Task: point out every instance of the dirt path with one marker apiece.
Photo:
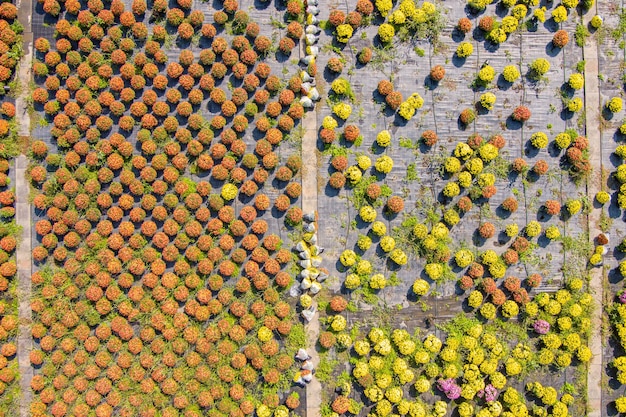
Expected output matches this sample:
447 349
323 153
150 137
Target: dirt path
309 204
593 107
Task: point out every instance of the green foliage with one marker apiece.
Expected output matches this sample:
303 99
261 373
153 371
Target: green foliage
620 30
581 34
359 195
10 229
296 337
498 167
424 23
580 66
326 410
335 150
509 330
459 325
406 143
411 172
325 369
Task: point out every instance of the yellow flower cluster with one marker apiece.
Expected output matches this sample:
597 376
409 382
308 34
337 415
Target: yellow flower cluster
465 180
488 152
384 7
603 197
486 74
263 410
575 105
509 24
383 138
353 174
540 66
342 110
338 323
384 164
451 217
229 192
387 243
475 165
398 256
363 162
510 309
563 140
329 122
386 32
353 281
463 150
452 165
348 257
364 267
511 73
378 282
451 190
552 232
464 49
539 140
615 105
533 228
264 334
339 86
497 35
540 14
487 100
420 287
344 33
379 228
364 242
596 22
574 206
488 311
463 258
559 14
511 230
478 5
576 81
362 347
434 271
519 11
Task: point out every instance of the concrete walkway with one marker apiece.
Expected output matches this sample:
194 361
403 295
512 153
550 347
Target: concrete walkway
23 218
24 340
24 75
309 204
593 108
